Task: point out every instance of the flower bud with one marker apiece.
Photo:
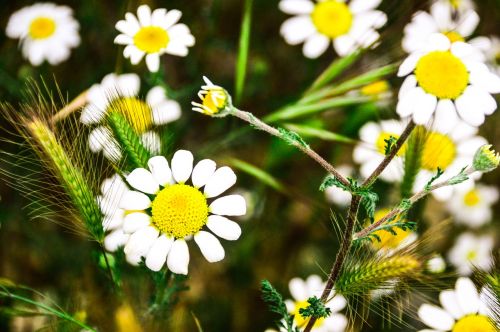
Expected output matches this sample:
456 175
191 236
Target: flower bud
485 159
215 100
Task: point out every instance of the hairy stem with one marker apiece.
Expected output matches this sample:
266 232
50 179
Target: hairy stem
257 123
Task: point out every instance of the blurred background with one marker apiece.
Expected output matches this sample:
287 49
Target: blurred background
289 232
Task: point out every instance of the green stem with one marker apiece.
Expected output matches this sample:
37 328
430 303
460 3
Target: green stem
412 161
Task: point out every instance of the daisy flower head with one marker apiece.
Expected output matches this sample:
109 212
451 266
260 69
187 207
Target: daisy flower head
387 242
318 23
46 31
301 291
464 309
112 191
165 210
215 100
450 149
456 22
371 149
119 93
471 251
448 79
334 194
152 34
473 207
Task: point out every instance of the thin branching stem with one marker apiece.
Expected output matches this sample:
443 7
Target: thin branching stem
257 123
402 208
73 106
388 158
351 221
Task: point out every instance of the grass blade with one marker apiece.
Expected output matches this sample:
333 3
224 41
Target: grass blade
241 64
326 135
258 173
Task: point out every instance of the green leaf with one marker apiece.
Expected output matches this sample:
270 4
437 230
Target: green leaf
336 68
330 181
326 135
434 178
292 137
241 63
389 144
258 173
315 309
459 178
275 303
295 111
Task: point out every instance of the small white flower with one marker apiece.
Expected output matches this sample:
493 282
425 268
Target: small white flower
450 146
112 190
319 23
215 101
301 290
336 195
436 264
164 211
371 150
472 207
447 78
471 251
46 32
119 93
457 25
152 34
464 309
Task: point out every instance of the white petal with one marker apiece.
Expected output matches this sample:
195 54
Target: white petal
140 242
202 172
449 302
298 289
141 179
297 29
178 257
156 96
111 150
296 7
408 64
407 105
467 107
344 45
182 165
425 109
167 111
134 200
144 15
467 296
438 42
337 303
157 16
171 18
157 255
409 83
485 80
135 221
153 62
224 228
446 117
468 23
123 40
358 6
159 168
128 85
210 247
336 322
97 138
315 45
435 317
151 141
223 179
231 205
176 48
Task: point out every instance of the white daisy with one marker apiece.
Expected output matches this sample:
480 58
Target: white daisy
450 148
472 207
457 25
316 24
471 251
436 264
152 34
301 290
371 150
336 195
447 78
164 211
493 54
112 190
118 93
464 309
46 32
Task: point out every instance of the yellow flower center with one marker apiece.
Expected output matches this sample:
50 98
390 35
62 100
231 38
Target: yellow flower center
375 88
442 74
474 323
42 27
453 36
151 39
472 198
455 3
382 140
439 151
300 321
214 101
136 111
332 18
471 255
388 240
179 210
